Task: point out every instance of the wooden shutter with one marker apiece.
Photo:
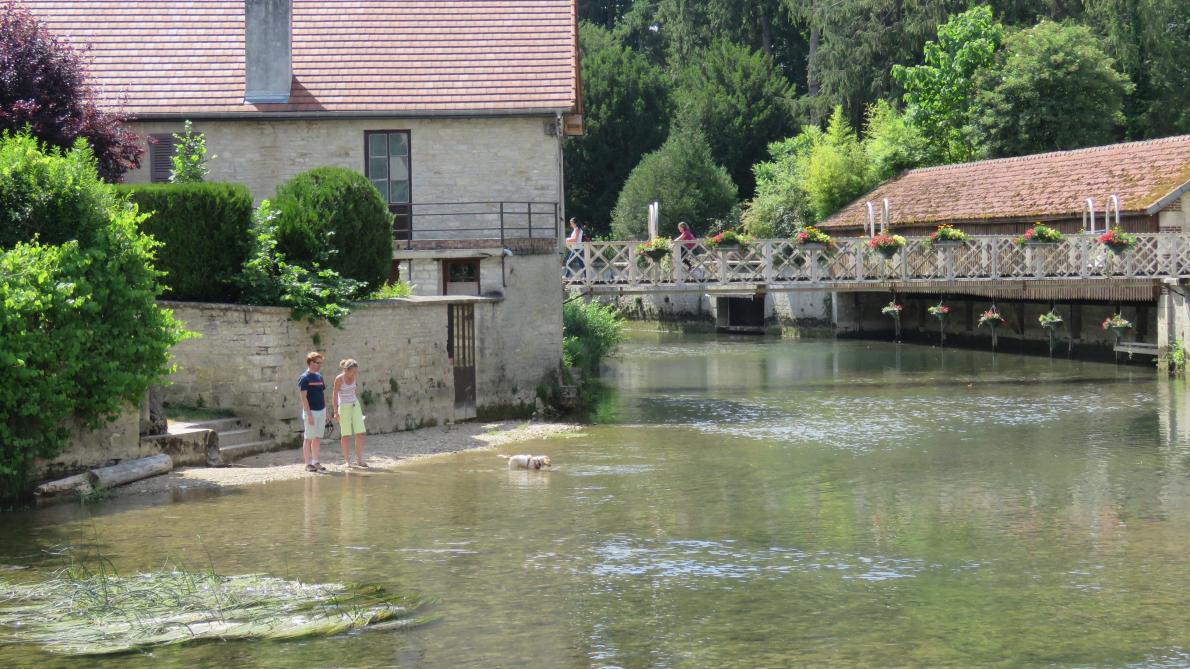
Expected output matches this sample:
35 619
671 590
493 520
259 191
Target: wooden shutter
161 149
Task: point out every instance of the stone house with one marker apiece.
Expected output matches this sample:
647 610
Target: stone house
456 110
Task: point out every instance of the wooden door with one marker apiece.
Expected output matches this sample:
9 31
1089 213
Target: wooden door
460 348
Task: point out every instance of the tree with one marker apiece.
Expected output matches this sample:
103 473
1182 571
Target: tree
891 143
603 13
43 87
684 178
627 116
1056 90
835 169
188 165
939 92
781 205
741 102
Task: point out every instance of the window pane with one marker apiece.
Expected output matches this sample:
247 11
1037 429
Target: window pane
400 191
381 186
399 168
377 168
398 144
376 144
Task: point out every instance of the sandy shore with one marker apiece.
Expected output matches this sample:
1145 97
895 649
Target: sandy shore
381 452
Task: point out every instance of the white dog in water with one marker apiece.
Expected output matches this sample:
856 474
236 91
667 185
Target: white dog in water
532 462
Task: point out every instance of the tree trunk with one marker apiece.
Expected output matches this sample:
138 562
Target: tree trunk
68 484
766 33
132 470
811 80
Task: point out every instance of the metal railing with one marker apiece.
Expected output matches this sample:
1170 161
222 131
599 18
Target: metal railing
850 262
495 220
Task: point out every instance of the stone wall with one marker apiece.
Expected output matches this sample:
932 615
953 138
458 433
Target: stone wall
112 442
794 308
248 358
452 160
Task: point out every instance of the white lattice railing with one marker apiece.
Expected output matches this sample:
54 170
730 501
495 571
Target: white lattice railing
850 261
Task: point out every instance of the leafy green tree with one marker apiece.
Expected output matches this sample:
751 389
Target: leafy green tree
1056 90
188 165
627 115
603 13
835 169
781 204
891 143
684 178
939 92
741 101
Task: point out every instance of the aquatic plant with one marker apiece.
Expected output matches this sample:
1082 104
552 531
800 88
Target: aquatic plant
82 612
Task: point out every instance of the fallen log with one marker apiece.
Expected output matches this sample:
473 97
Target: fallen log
132 470
76 483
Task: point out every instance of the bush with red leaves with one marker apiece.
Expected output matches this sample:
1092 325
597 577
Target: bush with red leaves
43 85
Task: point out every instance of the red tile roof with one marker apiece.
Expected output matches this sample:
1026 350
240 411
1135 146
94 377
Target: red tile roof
1043 186
175 57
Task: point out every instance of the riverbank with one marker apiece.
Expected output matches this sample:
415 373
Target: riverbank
382 452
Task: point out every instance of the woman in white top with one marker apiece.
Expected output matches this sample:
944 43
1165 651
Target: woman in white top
345 409
574 258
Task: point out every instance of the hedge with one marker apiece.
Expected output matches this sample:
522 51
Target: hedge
205 231
337 208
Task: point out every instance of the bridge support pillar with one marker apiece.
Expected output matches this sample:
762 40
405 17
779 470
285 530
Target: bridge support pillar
1173 314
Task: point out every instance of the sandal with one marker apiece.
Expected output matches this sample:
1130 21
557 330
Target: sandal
362 464
311 468
321 467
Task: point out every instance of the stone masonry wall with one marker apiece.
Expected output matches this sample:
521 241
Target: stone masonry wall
452 160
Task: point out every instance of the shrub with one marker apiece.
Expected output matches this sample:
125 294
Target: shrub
311 291
80 331
338 207
188 165
392 291
205 231
680 175
590 332
49 195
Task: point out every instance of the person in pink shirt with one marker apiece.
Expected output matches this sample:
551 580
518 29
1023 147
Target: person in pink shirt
687 239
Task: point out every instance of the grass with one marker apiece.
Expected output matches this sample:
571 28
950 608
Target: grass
85 611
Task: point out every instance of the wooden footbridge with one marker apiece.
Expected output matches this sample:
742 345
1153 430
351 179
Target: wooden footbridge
982 264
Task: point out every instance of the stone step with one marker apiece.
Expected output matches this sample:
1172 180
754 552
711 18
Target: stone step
241 451
237 437
215 424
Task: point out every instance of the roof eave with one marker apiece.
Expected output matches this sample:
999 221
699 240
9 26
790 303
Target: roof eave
309 115
1169 199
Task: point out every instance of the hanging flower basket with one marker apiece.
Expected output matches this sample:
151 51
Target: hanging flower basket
886 245
892 309
938 311
991 318
1050 320
655 249
1117 324
728 239
1038 235
947 236
1118 241
811 238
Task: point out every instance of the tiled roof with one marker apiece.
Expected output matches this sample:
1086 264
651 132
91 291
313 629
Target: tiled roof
1041 186
175 57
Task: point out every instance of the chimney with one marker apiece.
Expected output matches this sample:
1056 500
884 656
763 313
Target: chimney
267 50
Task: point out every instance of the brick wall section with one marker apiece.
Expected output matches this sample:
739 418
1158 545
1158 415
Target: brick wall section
248 358
452 160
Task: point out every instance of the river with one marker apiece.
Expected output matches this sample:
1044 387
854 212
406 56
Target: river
743 503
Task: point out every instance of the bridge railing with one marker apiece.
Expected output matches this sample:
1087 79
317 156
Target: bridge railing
851 261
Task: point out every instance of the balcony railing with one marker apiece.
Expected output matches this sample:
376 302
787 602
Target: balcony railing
496 220
851 262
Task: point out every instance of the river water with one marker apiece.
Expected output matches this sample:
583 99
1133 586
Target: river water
745 503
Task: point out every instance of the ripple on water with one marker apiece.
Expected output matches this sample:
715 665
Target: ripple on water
688 561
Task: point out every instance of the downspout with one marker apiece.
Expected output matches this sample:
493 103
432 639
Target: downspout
558 224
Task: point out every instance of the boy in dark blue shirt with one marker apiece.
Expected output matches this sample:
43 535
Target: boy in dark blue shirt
311 390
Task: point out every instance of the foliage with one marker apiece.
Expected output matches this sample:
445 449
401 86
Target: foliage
1049 320
312 291
189 162
781 205
939 93
52 196
1039 233
392 291
205 231
89 612
892 309
590 332
835 170
891 143
740 100
938 311
991 318
683 177
1175 357
1116 322
1117 240
812 235
729 238
43 87
948 233
338 207
656 248
81 334
626 112
1055 90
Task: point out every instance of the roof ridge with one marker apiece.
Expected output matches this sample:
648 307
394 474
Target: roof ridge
1039 156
